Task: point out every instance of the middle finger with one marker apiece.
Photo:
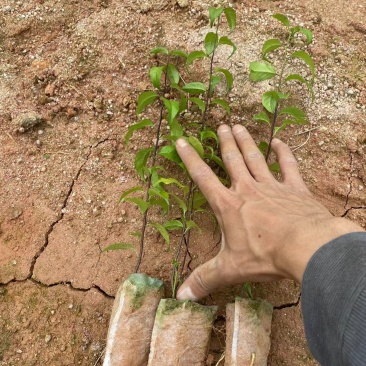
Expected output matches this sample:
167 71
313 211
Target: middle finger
231 156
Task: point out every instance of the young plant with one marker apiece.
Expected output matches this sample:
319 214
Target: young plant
275 114
175 97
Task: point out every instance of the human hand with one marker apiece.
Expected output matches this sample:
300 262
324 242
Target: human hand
270 229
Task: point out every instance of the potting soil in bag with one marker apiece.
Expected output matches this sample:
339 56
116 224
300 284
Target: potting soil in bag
181 333
132 321
248 329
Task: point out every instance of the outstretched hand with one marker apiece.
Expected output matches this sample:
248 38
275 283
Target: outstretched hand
270 229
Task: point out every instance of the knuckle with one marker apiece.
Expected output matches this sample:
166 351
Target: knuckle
200 281
231 156
290 161
255 155
201 173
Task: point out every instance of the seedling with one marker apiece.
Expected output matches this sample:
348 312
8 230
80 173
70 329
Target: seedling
175 97
275 114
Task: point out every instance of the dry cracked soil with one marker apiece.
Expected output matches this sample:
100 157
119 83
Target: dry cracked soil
74 70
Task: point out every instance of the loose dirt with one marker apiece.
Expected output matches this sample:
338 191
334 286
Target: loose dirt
78 67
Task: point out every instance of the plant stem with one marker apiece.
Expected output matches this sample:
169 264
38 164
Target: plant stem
279 87
208 94
153 159
185 237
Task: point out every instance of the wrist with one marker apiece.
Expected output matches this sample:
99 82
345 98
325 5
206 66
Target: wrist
296 253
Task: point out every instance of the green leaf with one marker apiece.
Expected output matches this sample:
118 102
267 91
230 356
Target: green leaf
157 50
195 88
119 246
163 194
144 100
307 33
275 168
181 204
282 18
174 181
192 225
154 175
137 126
128 192
230 14
271 98
270 45
263 147
214 14
162 232
294 112
224 40
176 130
307 59
208 134
196 144
155 75
161 203
298 77
201 104
173 225
179 53
172 107
262 117
260 71
218 161
135 233
229 77
170 153
222 103
183 103
173 74
210 42
248 289
141 204
198 200
194 56
215 79
141 160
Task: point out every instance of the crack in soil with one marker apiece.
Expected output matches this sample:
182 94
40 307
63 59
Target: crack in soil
52 226
288 305
59 217
349 180
61 283
353 208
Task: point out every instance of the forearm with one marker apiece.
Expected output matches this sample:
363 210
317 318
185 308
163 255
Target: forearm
334 301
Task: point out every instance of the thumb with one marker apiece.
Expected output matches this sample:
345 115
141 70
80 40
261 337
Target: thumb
202 281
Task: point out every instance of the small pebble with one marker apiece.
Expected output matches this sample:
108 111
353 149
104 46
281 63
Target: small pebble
48 338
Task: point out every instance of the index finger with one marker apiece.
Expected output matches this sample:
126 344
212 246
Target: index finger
200 172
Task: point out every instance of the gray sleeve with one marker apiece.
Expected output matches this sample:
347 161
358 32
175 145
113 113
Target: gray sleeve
334 301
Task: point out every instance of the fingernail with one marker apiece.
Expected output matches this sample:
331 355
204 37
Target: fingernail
238 128
223 128
185 293
181 143
275 141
